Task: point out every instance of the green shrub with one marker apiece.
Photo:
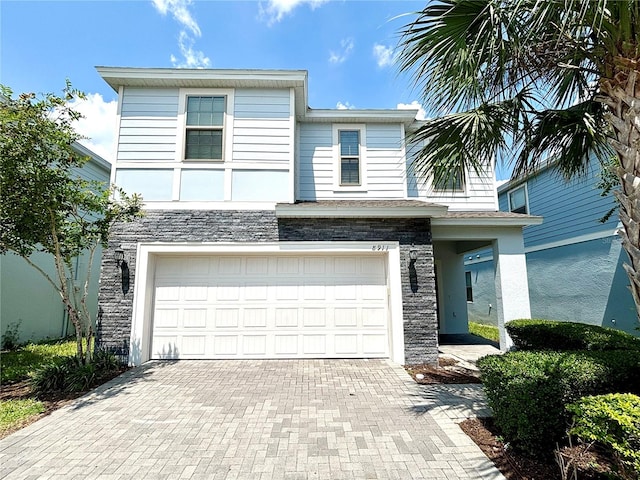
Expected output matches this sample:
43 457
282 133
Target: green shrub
528 391
52 377
563 336
71 375
10 339
614 421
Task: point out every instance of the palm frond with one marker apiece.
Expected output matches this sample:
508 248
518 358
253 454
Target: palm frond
573 135
468 141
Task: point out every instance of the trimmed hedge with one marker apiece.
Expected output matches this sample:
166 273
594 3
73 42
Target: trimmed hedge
614 421
563 336
528 391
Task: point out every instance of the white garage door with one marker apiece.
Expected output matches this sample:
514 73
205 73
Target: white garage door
276 306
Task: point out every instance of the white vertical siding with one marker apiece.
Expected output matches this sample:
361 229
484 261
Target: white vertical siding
479 192
262 128
384 164
148 124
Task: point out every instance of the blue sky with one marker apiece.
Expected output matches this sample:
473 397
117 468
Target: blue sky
346 45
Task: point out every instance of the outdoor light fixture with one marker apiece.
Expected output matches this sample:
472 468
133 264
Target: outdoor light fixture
413 253
124 268
413 274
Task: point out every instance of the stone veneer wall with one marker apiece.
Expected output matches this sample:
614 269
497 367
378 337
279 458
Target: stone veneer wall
419 299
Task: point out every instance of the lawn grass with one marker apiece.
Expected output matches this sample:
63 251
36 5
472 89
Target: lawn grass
486 331
17 365
15 412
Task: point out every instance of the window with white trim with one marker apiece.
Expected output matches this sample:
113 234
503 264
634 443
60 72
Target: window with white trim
453 183
204 130
518 200
467 278
349 157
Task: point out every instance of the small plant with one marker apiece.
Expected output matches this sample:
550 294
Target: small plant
53 377
71 375
612 420
11 337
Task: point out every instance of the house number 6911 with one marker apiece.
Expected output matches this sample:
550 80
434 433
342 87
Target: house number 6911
380 248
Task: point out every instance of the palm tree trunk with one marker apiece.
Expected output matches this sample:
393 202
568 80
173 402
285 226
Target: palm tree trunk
622 95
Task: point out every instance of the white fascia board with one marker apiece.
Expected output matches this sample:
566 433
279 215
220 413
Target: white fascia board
117 76
486 221
95 158
295 211
360 116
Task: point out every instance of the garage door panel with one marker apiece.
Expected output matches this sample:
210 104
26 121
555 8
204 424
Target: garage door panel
270 307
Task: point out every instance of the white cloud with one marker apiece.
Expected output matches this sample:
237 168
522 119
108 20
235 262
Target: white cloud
272 11
99 124
346 45
190 29
192 58
180 11
344 106
384 55
421 115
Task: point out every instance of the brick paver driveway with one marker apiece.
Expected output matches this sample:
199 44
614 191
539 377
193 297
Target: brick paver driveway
282 419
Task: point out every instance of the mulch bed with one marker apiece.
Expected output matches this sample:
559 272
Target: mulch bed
447 371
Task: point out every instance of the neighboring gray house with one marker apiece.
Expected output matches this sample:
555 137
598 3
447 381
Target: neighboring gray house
574 261
26 299
273 230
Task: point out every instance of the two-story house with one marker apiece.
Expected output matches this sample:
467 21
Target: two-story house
274 230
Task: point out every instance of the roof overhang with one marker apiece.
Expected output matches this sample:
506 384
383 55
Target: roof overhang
118 77
485 219
360 209
407 116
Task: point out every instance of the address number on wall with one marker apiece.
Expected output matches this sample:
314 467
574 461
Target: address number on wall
380 248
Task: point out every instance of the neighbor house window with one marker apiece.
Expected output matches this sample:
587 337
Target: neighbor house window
467 277
204 127
518 200
349 157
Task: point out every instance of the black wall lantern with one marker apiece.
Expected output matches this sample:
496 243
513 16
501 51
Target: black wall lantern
413 274
124 269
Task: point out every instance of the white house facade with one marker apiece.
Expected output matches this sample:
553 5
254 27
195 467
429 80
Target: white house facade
273 230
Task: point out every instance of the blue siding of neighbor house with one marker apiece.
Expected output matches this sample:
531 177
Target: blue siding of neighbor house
576 279
570 209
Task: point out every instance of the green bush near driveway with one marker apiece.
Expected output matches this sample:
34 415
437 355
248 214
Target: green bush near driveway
562 336
613 421
19 364
528 391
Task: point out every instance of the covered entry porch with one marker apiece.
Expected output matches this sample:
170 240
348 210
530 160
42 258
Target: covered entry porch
458 234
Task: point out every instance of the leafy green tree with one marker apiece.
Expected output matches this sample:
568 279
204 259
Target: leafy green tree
526 80
45 206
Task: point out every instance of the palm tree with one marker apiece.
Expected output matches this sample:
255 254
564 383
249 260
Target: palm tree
525 80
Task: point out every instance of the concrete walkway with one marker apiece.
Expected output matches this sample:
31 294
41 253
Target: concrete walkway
467 348
283 419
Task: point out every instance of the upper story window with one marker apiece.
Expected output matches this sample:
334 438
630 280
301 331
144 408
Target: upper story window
204 135
518 200
453 183
349 157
